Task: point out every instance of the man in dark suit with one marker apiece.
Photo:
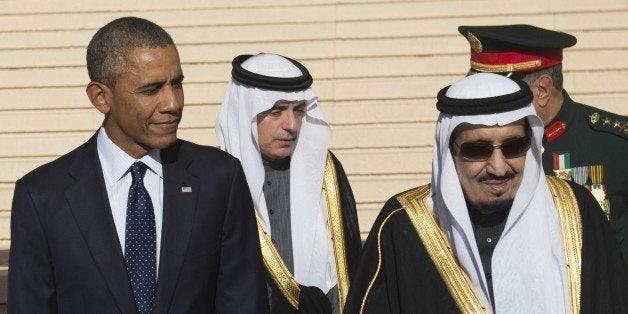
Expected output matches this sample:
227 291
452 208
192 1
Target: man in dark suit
135 220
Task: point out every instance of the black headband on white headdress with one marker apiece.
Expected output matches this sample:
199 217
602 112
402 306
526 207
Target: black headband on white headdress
284 84
486 105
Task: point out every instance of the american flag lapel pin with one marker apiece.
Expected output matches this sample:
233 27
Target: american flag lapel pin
186 189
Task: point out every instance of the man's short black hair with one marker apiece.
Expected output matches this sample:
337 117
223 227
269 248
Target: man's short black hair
555 72
108 49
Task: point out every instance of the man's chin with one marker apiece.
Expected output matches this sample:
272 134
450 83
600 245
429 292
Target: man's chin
283 152
163 142
495 205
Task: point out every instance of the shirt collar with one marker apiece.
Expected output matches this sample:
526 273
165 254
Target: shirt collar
116 163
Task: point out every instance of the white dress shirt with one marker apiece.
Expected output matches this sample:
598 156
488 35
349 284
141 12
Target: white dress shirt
115 165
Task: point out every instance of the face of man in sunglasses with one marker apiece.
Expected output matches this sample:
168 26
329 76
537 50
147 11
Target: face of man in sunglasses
489 185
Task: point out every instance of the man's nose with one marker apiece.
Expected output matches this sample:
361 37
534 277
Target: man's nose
497 164
172 100
289 121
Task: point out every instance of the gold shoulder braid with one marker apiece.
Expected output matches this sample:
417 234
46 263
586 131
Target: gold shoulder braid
571 231
275 266
437 246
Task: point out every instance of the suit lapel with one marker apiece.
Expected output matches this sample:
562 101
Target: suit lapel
90 206
181 190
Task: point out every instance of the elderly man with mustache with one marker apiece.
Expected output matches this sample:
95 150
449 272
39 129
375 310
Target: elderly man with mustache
490 233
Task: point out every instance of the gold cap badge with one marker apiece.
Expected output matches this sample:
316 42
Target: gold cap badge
476 44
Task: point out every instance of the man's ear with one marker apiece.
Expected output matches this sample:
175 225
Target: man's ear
97 93
543 90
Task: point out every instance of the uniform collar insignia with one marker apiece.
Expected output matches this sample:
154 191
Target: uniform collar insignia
555 130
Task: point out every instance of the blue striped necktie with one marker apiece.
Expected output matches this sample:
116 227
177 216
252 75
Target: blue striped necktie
140 253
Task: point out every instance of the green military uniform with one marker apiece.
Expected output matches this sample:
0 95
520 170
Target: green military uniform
583 144
594 148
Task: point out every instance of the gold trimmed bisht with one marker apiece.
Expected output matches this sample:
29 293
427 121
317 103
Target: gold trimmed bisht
275 266
439 250
414 202
571 231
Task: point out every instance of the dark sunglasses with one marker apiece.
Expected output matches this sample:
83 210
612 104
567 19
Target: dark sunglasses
479 151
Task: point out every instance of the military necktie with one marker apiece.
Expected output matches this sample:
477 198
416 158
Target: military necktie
140 241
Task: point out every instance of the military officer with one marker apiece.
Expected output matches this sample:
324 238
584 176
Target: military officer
581 143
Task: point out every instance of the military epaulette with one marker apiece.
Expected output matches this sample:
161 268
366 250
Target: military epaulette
609 123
